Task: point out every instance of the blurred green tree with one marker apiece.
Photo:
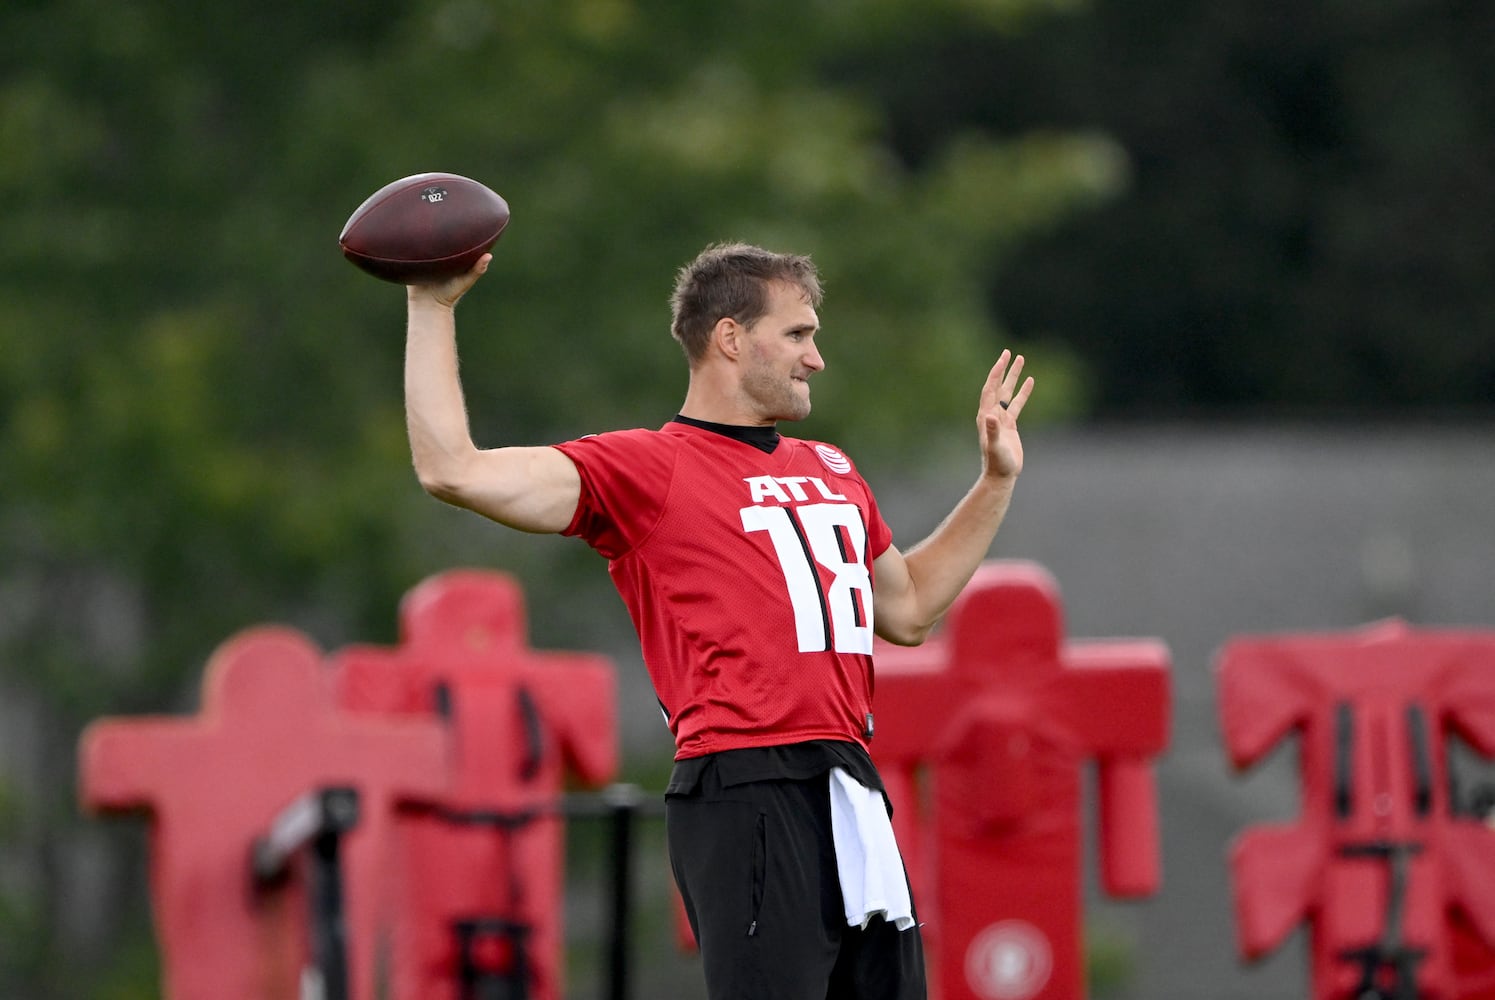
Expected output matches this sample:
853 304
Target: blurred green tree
1308 228
200 415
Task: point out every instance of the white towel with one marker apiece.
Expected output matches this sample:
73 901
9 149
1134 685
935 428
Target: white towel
867 858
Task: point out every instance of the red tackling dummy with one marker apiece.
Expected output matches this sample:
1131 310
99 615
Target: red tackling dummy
1002 712
520 722
1398 889
211 783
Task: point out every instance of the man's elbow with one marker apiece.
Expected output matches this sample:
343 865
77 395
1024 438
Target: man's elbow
441 481
906 633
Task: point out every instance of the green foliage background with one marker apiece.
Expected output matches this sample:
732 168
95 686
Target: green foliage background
1306 234
200 418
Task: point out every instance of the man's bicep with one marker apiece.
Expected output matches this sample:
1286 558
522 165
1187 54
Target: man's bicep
531 489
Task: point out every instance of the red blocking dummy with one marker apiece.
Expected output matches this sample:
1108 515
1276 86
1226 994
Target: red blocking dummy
519 723
267 732
981 734
1396 887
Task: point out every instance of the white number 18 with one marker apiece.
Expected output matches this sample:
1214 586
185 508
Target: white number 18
808 535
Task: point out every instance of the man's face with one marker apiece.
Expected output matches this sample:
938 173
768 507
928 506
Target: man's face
779 356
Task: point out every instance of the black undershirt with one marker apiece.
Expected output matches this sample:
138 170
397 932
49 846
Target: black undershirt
791 761
765 439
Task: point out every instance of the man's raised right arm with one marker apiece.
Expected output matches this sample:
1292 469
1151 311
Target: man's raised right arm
532 489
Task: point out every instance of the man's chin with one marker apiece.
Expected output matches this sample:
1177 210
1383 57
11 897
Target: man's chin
797 414
790 406
801 403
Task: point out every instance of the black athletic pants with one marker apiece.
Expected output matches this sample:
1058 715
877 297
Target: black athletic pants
756 866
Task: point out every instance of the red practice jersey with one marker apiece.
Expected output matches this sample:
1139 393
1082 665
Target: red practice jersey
748 576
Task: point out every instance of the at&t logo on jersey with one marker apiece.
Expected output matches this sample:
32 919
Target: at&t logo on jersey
833 459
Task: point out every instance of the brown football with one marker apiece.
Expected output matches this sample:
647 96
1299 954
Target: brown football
424 228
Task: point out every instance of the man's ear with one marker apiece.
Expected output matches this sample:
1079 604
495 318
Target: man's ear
727 337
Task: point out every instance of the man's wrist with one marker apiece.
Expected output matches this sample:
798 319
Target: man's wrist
999 480
423 297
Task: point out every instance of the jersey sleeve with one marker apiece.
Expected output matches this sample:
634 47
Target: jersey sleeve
625 476
879 535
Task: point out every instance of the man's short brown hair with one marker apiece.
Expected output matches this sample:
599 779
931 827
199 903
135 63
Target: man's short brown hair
731 279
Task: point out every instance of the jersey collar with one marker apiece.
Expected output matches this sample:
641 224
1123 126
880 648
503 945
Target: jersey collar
765 439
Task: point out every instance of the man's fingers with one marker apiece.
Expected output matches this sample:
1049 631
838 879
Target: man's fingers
1020 400
1001 387
991 391
1010 378
449 291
